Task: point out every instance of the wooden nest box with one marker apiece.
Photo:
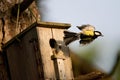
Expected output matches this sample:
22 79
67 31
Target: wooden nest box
33 54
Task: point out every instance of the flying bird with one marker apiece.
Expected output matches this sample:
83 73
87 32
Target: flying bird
86 36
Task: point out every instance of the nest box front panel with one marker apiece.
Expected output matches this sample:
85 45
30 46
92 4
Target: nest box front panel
44 35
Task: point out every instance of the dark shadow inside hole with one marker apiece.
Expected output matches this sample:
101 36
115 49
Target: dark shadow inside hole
52 43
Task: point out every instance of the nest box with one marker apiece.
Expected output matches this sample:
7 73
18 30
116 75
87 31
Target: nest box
39 53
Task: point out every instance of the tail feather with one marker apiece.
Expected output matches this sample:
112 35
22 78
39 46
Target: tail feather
70 37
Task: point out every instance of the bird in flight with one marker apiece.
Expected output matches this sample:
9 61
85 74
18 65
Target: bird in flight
86 36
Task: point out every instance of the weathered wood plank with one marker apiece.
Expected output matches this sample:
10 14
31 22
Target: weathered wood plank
21 58
58 36
44 35
60 69
54 25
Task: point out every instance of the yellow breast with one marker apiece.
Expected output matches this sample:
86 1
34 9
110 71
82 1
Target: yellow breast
88 33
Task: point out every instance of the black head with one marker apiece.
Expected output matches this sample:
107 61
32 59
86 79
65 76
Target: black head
97 34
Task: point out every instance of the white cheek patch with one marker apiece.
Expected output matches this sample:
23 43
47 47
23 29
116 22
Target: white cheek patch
97 33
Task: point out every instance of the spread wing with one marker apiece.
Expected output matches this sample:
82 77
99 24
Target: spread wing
86 27
70 37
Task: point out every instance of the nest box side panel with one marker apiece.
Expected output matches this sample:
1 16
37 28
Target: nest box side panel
58 35
22 59
44 35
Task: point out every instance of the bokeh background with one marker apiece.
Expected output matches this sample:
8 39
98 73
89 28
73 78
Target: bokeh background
103 14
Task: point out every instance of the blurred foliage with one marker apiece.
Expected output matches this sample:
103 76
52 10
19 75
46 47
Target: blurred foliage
80 65
83 69
117 74
117 71
82 62
89 54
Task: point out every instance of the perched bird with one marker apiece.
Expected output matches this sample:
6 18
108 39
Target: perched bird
87 35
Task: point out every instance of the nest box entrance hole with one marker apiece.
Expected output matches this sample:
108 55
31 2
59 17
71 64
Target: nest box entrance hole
52 43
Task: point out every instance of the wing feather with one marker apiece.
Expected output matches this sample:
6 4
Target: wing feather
70 37
86 27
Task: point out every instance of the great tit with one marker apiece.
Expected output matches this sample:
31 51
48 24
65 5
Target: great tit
86 36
